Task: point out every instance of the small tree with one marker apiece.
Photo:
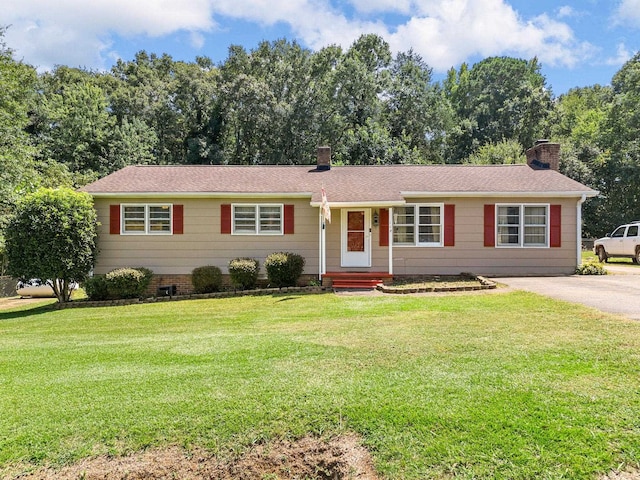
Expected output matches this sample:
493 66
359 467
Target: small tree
52 236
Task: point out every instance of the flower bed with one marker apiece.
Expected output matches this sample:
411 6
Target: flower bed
438 283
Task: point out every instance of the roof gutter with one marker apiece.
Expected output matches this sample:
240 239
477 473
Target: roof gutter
199 195
574 194
371 204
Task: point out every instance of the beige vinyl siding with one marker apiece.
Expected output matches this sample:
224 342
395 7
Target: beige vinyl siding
202 243
470 255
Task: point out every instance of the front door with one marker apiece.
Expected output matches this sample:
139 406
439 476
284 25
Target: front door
356 238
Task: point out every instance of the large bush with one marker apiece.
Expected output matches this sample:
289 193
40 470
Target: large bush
119 283
244 272
284 269
52 236
96 288
147 276
125 283
206 279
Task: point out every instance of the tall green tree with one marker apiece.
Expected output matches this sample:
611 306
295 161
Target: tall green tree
17 90
147 90
52 236
274 102
578 124
77 127
618 172
499 98
415 109
197 100
360 78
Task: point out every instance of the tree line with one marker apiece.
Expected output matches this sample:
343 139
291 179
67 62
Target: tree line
276 103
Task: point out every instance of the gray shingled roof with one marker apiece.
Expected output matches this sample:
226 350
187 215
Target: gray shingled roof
344 184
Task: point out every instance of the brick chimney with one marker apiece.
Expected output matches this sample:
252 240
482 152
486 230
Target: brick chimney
544 155
324 158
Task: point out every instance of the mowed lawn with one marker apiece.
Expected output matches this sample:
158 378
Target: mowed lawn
506 385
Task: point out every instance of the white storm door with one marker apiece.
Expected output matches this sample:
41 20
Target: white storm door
356 238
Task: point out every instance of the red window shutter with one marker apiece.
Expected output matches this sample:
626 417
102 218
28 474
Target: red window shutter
288 219
490 225
178 219
225 219
555 226
384 227
449 225
114 219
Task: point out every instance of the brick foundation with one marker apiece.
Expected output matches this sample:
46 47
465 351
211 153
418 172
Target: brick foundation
184 286
181 281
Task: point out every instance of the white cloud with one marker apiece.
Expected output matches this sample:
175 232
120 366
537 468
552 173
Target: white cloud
76 32
628 13
197 40
621 57
444 32
368 6
455 30
565 11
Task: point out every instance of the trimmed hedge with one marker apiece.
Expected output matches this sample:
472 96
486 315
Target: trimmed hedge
284 269
125 283
147 277
96 288
119 283
244 272
207 279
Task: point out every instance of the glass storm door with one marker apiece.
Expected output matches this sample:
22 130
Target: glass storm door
356 238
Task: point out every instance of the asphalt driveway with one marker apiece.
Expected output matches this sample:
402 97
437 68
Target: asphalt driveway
618 292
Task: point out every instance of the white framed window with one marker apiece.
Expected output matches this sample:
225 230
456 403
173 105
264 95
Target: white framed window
262 219
418 225
522 225
146 219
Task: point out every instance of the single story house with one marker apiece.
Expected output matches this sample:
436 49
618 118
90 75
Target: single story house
385 220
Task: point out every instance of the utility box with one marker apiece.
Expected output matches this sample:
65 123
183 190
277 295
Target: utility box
167 291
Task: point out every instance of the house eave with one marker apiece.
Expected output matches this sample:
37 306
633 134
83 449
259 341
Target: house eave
200 195
369 204
559 194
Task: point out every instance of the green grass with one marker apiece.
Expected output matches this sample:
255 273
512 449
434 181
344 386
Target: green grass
589 256
507 385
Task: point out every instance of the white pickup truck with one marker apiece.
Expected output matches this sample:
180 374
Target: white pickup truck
623 242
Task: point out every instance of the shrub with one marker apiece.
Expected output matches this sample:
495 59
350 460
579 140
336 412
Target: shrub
96 288
52 235
125 283
206 279
244 272
591 268
284 268
147 277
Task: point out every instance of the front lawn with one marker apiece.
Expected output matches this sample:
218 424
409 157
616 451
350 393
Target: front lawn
507 385
589 256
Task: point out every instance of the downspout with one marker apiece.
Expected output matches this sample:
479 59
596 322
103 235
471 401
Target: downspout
320 246
390 240
579 230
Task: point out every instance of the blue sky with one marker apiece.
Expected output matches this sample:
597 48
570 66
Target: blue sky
578 42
